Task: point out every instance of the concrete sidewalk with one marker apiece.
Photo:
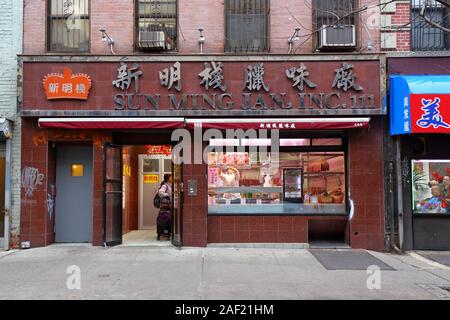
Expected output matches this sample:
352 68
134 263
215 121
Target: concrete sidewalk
209 273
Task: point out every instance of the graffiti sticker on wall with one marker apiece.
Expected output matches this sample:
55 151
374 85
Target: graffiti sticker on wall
31 178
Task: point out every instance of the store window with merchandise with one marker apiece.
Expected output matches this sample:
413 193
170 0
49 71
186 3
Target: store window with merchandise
431 186
306 177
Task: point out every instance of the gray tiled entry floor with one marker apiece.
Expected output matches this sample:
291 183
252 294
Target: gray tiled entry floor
347 259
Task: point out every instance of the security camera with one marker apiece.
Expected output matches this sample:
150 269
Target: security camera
202 39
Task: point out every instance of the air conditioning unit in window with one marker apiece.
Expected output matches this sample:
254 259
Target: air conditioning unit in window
337 37
152 39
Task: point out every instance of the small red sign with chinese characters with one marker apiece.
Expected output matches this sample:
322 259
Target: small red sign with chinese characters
430 113
164 150
67 85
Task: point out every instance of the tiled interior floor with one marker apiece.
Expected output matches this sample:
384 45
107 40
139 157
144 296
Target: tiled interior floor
144 238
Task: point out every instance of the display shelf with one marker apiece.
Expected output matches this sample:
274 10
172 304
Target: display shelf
251 189
281 208
323 173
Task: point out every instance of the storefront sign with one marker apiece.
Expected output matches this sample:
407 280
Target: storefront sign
164 150
151 178
210 87
67 85
212 77
420 104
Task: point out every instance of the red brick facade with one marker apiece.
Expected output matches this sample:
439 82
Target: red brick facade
398 26
285 16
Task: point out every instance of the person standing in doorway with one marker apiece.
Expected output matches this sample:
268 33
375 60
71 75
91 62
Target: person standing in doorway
165 190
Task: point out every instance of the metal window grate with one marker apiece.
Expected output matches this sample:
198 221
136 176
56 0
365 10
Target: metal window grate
247 23
156 25
335 20
68 25
424 36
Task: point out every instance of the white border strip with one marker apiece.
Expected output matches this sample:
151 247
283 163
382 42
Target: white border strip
124 119
277 120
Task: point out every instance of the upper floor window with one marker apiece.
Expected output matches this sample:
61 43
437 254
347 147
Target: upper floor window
156 24
335 21
247 25
68 26
426 35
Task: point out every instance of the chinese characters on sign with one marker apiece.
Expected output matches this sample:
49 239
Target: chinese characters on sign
212 76
165 150
67 85
126 75
151 178
406 123
227 94
171 76
254 78
345 78
431 115
281 125
299 77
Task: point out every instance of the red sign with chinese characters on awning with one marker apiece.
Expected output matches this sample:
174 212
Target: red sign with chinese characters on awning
430 113
67 85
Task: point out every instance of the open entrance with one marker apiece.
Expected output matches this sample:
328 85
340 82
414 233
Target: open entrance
147 170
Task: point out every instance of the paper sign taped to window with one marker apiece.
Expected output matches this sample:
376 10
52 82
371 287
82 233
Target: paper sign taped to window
151 178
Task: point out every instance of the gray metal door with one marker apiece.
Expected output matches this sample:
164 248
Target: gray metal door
73 218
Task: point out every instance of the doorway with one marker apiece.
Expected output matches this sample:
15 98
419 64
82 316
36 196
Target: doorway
73 202
152 169
144 167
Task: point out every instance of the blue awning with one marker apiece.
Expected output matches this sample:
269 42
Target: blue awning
401 88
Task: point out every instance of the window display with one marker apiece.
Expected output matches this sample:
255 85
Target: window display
431 184
299 183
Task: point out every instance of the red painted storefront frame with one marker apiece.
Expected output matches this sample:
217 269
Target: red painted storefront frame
365 180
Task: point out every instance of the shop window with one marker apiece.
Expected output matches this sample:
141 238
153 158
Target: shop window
430 186
425 36
336 24
156 25
298 182
247 25
68 26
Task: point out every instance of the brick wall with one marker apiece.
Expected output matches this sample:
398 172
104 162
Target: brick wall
395 28
10 46
284 17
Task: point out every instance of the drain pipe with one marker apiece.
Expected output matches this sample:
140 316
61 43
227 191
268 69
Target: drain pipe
398 161
7 193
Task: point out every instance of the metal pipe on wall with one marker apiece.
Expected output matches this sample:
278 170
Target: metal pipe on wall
7 192
398 161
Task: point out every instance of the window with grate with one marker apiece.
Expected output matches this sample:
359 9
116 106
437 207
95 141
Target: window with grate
247 25
425 36
335 22
156 25
68 25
